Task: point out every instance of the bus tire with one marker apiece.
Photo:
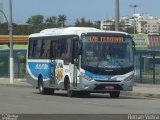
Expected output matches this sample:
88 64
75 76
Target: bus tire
41 88
84 94
70 93
49 91
114 94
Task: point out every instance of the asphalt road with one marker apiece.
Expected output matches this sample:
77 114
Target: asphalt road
29 101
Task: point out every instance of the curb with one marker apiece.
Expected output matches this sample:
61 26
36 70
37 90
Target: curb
16 85
146 95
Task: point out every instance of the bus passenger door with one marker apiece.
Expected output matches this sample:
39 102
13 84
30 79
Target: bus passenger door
75 61
52 63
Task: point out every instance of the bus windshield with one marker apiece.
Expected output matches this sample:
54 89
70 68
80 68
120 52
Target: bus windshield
107 52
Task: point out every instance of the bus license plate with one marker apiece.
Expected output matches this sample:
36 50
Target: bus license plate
109 87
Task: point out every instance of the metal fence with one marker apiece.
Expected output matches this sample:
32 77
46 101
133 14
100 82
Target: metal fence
147 66
19 63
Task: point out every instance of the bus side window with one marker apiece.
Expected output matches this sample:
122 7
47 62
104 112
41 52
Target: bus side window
36 49
53 50
45 48
58 49
30 49
65 50
61 49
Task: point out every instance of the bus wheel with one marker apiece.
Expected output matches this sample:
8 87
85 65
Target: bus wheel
114 94
70 93
42 90
50 91
84 94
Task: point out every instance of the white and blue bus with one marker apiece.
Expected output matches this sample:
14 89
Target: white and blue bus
81 60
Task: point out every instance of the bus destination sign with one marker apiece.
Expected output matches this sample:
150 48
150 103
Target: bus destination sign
105 39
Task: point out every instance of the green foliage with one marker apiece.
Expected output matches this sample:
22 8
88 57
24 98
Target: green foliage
83 23
22 29
51 20
37 23
4 29
35 20
61 20
97 24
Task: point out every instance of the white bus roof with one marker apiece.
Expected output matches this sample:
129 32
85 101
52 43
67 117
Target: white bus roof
70 31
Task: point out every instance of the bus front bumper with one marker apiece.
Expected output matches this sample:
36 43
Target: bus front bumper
96 86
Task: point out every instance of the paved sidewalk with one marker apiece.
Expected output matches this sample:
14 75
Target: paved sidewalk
141 90
16 83
145 90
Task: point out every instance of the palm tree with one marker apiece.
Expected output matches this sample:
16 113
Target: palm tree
61 20
52 19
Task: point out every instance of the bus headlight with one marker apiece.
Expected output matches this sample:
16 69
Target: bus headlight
86 77
129 78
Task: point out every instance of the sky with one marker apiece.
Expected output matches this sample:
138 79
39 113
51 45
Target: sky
90 9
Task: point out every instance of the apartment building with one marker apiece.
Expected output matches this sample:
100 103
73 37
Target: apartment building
140 23
107 24
152 27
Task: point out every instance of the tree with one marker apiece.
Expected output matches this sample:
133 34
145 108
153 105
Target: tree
35 20
83 23
97 24
130 30
52 19
4 29
51 22
61 20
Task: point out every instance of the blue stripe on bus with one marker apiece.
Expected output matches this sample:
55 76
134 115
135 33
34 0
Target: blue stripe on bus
97 76
37 68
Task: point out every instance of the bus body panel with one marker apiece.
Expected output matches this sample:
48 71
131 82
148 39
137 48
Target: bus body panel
46 69
35 68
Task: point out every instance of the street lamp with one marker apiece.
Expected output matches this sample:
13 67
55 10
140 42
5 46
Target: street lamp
134 9
117 15
11 43
4 15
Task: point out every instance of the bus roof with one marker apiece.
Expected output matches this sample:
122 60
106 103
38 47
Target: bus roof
70 31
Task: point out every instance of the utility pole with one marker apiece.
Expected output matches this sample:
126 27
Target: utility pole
134 10
11 43
117 15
